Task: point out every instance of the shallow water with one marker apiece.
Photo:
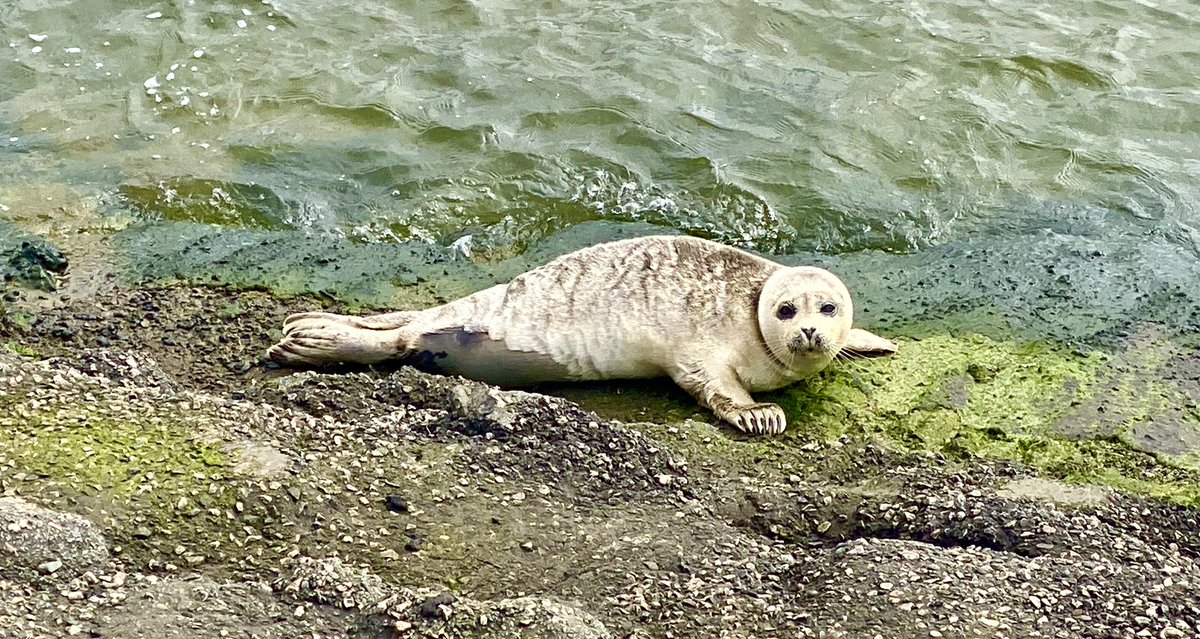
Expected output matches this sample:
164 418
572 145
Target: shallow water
1000 165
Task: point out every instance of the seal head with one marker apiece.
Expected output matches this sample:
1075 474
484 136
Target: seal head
805 316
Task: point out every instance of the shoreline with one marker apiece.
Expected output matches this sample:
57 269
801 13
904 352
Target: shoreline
362 503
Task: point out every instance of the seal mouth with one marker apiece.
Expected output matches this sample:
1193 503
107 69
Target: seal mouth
803 344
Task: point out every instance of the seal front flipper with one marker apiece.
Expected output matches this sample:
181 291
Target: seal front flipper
725 396
860 343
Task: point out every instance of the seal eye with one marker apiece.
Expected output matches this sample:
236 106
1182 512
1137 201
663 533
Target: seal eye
829 308
786 312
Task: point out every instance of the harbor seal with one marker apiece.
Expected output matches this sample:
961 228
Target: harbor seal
719 321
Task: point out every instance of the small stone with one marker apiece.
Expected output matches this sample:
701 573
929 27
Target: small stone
527 546
397 504
50 567
432 608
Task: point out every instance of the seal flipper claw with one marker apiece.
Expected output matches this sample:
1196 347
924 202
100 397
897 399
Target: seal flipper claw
759 419
729 400
385 321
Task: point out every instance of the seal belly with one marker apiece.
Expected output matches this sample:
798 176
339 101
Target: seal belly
474 355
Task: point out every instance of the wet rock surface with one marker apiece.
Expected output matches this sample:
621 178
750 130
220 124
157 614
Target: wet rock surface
28 261
39 540
240 500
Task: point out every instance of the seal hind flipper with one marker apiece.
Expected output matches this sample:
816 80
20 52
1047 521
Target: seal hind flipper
314 339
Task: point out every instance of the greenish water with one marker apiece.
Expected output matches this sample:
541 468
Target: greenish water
1000 166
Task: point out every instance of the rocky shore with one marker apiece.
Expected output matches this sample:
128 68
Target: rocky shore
160 481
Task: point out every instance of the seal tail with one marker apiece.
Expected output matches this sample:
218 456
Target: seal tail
315 339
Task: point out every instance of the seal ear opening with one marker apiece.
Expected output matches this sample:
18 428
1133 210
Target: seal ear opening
867 344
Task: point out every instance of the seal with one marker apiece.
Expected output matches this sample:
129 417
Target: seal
719 321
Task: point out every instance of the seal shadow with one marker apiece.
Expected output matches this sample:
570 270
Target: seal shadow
656 400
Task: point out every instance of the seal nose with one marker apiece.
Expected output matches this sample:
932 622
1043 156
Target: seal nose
806 340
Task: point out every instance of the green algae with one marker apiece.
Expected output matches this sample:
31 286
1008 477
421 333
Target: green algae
157 487
962 399
18 348
976 397
95 453
189 199
291 264
360 275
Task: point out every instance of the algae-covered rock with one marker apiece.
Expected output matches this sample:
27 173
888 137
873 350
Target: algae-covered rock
1062 288
438 507
29 261
292 263
1091 417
